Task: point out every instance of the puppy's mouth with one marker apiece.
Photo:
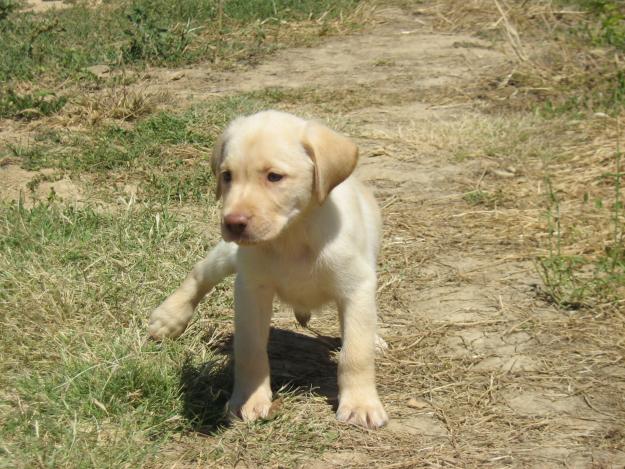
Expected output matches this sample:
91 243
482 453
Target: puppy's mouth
244 238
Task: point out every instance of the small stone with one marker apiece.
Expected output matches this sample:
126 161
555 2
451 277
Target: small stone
99 70
417 403
502 173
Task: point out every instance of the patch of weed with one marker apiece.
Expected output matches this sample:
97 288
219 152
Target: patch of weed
29 106
610 26
579 281
32 156
488 199
600 91
150 41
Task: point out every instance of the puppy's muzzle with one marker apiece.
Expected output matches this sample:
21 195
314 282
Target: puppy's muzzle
236 224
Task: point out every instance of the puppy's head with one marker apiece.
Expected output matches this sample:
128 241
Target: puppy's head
271 167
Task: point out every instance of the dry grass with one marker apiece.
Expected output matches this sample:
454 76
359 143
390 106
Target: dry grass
118 103
550 61
284 34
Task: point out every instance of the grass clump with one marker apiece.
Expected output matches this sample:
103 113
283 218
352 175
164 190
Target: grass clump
609 28
29 106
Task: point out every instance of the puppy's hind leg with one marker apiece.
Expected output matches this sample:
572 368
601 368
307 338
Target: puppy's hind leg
359 403
170 319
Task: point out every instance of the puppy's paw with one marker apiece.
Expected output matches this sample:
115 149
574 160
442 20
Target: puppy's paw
257 406
364 412
165 322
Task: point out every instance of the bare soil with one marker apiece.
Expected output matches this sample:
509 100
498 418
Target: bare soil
30 186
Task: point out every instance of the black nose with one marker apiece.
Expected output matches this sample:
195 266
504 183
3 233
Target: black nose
236 228
236 224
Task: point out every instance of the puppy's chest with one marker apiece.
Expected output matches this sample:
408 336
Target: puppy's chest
302 281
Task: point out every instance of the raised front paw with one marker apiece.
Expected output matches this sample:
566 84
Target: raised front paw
167 322
364 411
257 406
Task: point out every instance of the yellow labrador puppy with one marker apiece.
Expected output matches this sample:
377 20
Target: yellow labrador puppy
295 224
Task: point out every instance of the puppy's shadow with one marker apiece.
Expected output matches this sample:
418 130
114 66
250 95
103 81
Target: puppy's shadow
299 362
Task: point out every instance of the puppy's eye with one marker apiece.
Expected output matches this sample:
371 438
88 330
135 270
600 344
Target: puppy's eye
274 177
226 176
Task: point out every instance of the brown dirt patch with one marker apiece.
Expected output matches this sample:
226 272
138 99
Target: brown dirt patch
39 6
32 186
401 53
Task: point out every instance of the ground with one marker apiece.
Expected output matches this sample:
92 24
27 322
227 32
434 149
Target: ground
482 369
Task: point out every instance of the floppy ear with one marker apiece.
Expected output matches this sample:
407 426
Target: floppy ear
334 155
218 155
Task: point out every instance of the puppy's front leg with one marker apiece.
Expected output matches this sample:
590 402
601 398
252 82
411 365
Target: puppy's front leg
170 319
251 397
359 403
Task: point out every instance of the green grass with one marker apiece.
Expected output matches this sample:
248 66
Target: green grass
610 26
96 407
55 48
165 154
63 42
80 384
82 387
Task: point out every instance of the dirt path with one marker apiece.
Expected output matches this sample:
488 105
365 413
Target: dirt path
480 371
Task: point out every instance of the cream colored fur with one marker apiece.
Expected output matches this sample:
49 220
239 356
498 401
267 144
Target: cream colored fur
310 238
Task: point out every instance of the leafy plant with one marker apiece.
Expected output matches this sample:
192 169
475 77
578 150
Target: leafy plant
151 41
611 27
6 8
